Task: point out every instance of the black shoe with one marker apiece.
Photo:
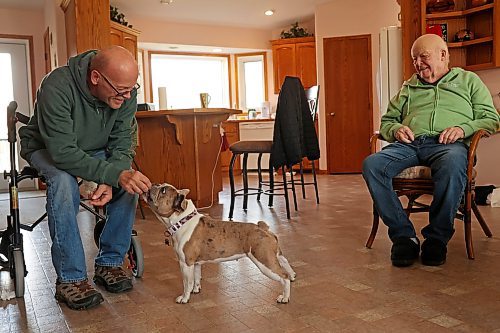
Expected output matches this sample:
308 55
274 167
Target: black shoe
404 251
433 252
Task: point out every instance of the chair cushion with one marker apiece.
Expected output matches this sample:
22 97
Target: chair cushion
241 147
421 172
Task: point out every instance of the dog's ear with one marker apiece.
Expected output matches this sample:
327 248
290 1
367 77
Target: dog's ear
184 203
180 202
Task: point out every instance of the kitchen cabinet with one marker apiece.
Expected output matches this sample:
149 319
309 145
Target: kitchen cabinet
482 52
124 36
294 57
231 130
86 25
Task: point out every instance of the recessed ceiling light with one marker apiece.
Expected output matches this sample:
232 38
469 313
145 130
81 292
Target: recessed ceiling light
269 12
166 2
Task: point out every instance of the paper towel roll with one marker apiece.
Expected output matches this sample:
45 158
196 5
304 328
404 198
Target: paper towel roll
162 96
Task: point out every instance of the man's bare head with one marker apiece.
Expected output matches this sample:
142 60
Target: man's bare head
113 74
430 57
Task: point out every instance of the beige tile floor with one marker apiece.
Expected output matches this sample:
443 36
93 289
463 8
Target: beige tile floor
341 286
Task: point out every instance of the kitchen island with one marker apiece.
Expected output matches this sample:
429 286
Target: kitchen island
180 147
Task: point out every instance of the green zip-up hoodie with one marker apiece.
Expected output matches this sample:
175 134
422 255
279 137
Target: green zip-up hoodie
460 99
72 125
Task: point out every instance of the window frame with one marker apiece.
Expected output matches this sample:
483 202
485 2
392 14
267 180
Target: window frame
237 57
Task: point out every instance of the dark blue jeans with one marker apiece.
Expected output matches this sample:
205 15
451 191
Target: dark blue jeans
63 199
448 163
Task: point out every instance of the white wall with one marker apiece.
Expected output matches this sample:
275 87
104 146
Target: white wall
348 18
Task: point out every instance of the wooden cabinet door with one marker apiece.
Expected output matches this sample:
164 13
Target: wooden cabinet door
115 37
284 64
129 42
305 55
232 135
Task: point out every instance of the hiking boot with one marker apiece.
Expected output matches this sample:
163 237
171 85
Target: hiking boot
404 251
78 295
114 279
433 252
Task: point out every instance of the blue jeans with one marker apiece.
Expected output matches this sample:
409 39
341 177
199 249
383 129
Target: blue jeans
448 163
63 199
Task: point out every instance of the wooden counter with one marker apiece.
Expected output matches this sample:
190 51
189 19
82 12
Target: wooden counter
180 147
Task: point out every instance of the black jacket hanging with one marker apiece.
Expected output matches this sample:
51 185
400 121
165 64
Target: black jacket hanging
294 133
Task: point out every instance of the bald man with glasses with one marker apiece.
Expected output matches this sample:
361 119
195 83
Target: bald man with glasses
84 127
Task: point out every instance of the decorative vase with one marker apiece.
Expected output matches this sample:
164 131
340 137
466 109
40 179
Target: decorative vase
476 3
437 6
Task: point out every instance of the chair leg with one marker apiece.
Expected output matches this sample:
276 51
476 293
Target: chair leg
302 180
259 173
373 233
293 188
481 220
271 184
285 192
231 182
313 169
467 225
245 181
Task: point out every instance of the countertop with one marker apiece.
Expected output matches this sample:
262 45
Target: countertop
186 112
248 120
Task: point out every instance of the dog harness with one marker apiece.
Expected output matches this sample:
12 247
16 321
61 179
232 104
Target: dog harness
173 228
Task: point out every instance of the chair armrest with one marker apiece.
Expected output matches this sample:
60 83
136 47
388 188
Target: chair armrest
373 141
473 147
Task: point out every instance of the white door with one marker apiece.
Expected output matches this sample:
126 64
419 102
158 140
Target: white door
14 86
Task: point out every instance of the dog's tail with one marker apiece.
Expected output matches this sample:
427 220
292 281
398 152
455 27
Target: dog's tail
263 225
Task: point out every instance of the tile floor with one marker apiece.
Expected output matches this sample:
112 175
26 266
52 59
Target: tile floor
341 286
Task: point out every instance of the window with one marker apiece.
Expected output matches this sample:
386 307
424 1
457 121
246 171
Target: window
185 76
251 71
6 95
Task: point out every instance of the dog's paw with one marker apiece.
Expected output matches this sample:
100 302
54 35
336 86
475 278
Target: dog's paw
196 289
181 299
292 276
282 299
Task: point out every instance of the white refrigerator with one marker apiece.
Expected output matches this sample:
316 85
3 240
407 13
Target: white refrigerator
390 66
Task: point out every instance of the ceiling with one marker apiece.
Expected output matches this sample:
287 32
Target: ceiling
237 13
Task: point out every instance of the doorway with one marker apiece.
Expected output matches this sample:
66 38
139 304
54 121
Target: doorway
15 85
348 101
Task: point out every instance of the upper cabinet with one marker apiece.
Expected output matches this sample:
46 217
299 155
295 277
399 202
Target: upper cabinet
87 25
479 17
294 57
124 36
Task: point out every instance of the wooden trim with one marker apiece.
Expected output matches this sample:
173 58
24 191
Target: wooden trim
216 55
123 28
266 87
293 40
31 60
471 42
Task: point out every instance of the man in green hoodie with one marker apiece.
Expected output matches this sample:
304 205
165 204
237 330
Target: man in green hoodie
430 122
84 126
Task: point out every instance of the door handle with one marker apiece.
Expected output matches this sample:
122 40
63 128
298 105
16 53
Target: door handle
332 114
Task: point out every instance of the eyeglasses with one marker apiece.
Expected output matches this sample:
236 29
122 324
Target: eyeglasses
118 93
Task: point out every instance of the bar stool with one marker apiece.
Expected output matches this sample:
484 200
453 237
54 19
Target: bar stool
279 188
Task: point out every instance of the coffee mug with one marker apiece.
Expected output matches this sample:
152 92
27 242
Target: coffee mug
205 100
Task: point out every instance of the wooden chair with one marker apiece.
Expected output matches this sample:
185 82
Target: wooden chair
416 181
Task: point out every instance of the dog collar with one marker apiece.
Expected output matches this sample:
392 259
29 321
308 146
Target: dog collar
173 228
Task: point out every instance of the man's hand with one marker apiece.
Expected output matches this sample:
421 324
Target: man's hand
134 181
451 134
101 196
404 134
